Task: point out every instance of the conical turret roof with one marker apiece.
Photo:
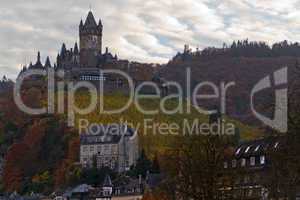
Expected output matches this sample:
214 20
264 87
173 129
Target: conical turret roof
48 63
90 20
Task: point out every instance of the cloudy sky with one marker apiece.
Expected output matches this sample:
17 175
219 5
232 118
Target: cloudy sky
141 30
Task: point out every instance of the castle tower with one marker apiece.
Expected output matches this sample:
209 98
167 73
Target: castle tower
90 34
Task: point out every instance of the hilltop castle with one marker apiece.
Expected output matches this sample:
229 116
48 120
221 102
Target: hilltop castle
83 62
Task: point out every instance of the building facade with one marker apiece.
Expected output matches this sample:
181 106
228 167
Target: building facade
247 171
115 146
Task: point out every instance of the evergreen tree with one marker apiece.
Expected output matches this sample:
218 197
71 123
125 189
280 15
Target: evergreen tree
155 165
143 165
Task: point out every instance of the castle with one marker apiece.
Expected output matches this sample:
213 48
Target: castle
83 62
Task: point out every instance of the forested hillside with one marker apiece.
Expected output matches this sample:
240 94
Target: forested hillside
52 148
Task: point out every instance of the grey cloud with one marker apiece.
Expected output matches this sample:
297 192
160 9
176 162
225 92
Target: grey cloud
146 31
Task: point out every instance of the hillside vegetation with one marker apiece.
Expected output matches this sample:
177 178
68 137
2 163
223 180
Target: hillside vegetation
150 139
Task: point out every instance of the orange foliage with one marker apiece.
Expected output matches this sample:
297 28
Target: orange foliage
35 134
62 169
13 169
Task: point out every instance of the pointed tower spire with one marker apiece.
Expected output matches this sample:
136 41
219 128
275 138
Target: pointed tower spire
90 20
100 23
76 51
81 24
48 63
38 58
63 50
38 64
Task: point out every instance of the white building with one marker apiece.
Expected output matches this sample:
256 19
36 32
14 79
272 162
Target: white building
114 146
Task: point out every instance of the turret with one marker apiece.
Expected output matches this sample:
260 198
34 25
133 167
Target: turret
100 26
90 21
107 188
81 24
63 50
38 64
76 51
58 59
38 60
48 63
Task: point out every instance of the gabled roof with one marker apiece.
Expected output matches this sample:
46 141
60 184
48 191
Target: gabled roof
108 134
107 181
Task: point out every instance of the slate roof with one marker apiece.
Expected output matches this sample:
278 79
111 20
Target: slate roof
84 188
257 147
108 134
90 20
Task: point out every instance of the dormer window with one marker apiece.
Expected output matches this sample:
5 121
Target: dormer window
247 149
238 151
276 145
257 148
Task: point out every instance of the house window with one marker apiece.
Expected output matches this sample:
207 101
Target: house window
252 161
106 149
225 165
262 160
99 148
85 149
92 148
233 163
243 162
246 179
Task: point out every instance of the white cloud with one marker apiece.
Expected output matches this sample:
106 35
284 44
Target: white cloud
147 31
